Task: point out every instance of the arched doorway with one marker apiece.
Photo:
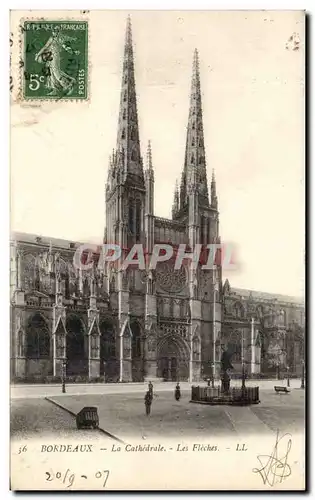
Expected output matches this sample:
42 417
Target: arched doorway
76 347
38 347
136 352
109 364
173 358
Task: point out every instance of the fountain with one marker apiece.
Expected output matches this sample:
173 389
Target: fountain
226 395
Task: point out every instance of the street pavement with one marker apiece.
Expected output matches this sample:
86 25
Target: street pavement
121 412
38 390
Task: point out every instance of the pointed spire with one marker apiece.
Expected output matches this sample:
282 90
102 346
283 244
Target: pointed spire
194 172
175 208
128 38
128 143
149 157
214 198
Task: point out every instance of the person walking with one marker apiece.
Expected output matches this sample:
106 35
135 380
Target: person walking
148 402
151 389
177 392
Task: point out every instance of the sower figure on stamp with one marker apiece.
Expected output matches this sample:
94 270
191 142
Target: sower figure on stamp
177 392
57 80
148 401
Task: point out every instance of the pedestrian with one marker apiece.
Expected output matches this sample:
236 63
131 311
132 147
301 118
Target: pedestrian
148 402
151 389
177 392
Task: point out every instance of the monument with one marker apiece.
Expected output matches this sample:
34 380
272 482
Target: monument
225 395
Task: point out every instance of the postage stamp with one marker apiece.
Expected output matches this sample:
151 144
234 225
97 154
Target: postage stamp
55 56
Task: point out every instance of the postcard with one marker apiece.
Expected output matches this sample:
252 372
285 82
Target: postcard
157 324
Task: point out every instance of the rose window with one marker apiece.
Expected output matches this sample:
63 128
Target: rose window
170 279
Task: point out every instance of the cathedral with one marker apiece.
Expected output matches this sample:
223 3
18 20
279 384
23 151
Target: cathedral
115 325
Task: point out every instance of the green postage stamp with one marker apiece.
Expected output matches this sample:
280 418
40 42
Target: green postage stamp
55 60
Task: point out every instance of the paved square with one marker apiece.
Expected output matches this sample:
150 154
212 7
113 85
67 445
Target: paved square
123 415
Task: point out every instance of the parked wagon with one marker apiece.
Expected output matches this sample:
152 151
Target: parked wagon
87 418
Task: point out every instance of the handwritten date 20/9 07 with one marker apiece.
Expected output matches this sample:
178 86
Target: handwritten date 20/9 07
68 478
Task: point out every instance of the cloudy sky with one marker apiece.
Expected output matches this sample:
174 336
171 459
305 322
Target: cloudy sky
253 102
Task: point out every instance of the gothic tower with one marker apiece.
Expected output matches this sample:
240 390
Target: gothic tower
125 189
125 203
192 206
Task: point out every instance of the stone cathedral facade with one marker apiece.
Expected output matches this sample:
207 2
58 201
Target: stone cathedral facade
133 325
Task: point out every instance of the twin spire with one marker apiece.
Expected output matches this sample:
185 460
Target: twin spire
195 174
127 157
128 143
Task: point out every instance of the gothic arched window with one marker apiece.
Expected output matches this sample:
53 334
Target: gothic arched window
202 229
107 341
192 159
196 348
136 340
193 126
133 155
138 220
112 284
125 96
130 218
193 141
37 338
259 312
238 310
124 114
123 134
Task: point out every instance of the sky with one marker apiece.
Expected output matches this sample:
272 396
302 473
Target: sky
252 86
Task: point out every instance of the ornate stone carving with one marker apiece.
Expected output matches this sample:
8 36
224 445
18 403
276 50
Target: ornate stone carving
21 347
174 329
196 348
151 341
126 347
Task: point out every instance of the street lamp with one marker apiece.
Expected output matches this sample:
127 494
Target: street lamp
302 377
288 376
64 367
278 369
243 366
213 375
104 366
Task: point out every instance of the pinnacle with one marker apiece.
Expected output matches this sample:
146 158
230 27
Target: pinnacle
196 60
149 156
128 39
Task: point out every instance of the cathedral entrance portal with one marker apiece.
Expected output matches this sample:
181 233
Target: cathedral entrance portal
173 358
77 362
109 365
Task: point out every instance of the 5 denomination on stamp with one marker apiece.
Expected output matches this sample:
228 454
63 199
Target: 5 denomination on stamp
55 57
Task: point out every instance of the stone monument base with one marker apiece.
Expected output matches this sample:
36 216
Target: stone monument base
236 396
